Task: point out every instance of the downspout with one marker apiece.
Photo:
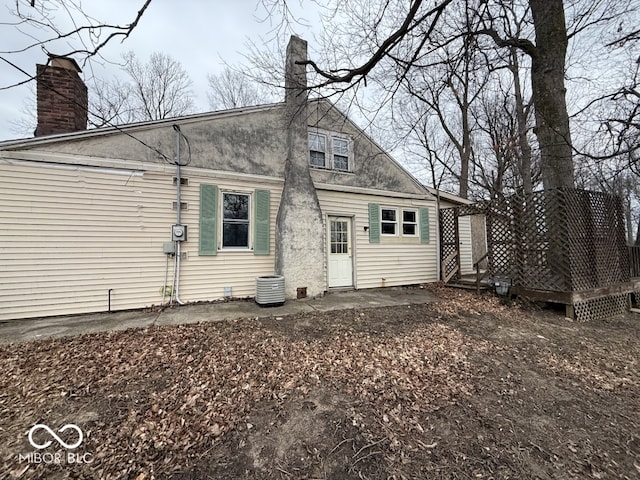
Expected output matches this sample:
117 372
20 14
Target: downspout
176 277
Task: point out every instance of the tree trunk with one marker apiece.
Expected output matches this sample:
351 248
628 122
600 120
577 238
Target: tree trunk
548 89
628 218
524 162
465 154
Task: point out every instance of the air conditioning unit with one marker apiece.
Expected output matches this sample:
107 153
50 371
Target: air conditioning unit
270 290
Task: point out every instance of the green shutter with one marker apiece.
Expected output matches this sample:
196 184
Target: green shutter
374 223
208 220
424 225
262 217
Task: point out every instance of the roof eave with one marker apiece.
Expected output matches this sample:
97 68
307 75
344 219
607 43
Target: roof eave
130 127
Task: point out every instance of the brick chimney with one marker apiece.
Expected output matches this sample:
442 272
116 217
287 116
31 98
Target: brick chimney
62 97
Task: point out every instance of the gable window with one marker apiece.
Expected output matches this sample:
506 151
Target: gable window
389 221
340 149
409 223
235 220
330 150
317 150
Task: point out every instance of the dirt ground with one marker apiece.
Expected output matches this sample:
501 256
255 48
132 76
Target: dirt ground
465 388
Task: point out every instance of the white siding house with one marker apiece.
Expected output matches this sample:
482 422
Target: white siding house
87 215
73 236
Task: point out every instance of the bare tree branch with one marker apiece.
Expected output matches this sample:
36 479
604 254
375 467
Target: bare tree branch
38 22
359 73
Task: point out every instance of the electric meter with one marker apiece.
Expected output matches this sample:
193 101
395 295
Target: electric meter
179 233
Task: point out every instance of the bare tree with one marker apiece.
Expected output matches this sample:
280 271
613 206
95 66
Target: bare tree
618 116
234 89
446 84
613 177
161 88
110 103
25 125
449 89
522 109
406 33
158 89
426 148
497 166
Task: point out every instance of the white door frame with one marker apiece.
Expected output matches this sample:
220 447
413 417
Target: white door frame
349 280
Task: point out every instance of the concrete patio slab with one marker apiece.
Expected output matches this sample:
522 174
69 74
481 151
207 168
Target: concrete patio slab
17 331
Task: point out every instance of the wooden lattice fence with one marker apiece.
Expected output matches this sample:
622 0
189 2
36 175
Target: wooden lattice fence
449 246
565 245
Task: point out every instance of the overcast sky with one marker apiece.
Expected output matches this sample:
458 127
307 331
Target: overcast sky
200 34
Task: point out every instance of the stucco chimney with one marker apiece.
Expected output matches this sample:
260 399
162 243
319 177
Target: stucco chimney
62 97
299 230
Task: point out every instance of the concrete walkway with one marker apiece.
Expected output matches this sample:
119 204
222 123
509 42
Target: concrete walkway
16 331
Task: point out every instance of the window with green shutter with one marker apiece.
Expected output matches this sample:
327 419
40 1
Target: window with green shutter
424 225
374 223
233 219
393 224
208 244
262 227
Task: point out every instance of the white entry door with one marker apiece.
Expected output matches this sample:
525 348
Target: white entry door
340 264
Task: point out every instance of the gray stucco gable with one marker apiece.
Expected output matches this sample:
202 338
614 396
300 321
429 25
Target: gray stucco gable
248 140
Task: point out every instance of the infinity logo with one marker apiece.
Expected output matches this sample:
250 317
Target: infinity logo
56 437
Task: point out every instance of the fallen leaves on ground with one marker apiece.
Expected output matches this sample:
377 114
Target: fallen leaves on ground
465 387
162 396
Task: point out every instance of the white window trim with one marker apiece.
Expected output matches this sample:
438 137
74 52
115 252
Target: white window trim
329 153
250 222
397 222
327 157
416 223
333 154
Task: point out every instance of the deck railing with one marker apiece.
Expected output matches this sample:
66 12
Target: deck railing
480 275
